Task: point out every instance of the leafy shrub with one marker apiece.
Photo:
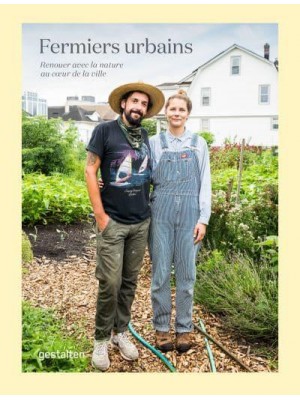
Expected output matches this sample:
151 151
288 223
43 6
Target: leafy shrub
48 148
260 175
150 126
209 138
245 294
228 156
78 161
27 254
42 335
239 227
56 198
270 250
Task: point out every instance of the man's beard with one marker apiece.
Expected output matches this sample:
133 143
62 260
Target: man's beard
133 121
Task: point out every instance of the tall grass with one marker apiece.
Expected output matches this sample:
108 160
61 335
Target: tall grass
244 294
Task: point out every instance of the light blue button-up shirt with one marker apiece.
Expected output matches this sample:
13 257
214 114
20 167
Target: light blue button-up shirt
184 142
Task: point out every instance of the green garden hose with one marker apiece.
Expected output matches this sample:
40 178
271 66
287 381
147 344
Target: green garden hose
226 351
153 349
209 352
164 359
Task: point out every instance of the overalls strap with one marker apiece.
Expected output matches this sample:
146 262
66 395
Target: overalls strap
163 140
194 140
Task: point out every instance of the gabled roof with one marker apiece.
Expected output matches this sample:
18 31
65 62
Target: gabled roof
167 84
190 77
90 113
75 113
104 110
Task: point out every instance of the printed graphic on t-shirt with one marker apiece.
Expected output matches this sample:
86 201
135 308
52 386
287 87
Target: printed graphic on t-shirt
131 169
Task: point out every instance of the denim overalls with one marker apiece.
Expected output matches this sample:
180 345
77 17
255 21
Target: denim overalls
174 214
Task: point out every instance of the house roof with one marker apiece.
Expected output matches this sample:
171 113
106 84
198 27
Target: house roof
104 110
56 112
91 113
190 77
167 84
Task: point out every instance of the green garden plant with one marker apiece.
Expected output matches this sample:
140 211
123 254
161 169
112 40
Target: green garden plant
46 347
48 147
208 136
150 126
27 254
270 250
245 294
240 226
52 199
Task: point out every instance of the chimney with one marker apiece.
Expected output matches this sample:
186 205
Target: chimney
266 51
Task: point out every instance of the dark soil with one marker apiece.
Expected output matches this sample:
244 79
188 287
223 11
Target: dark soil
59 241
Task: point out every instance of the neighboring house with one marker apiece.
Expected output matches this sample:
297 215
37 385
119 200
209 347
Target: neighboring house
33 104
234 96
85 116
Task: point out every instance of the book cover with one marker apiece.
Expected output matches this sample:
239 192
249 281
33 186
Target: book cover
69 65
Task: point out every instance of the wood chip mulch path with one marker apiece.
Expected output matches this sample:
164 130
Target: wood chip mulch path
70 287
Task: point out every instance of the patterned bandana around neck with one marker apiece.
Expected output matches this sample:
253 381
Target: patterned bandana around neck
133 135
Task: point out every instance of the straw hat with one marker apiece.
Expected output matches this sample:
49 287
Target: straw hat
156 96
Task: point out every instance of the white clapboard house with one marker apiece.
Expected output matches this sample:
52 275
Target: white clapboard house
234 95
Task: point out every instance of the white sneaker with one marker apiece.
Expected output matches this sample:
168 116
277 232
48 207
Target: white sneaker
100 358
127 349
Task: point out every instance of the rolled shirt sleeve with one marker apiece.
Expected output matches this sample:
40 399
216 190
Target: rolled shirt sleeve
205 188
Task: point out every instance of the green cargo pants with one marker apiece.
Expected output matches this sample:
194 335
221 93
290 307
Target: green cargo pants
120 252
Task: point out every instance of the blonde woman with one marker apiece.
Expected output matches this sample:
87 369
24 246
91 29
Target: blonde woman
180 212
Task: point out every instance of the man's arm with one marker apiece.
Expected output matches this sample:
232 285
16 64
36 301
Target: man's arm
92 166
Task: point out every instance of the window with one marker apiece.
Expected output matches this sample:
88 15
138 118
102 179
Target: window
205 124
205 96
235 65
274 123
264 94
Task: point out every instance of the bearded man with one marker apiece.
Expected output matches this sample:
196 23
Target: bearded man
120 149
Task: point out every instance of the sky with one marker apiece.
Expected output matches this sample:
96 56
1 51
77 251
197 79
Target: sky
200 42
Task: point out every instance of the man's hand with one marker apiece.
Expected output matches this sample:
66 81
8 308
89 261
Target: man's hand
102 221
100 183
91 170
199 232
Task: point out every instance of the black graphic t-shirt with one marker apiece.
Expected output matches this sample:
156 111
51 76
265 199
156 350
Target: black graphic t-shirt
125 173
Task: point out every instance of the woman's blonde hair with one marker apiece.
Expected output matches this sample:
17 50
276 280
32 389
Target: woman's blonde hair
182 95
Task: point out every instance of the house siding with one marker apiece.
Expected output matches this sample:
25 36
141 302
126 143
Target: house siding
235 111
256 130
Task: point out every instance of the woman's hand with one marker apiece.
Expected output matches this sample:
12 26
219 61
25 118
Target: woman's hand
199 232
